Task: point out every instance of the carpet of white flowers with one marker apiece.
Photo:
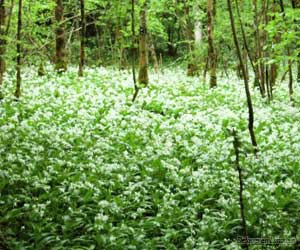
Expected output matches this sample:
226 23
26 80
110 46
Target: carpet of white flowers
81 167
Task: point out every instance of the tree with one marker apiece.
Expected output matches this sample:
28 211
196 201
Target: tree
153 53
60 56
290 63
82 38
258 81
246 83
2 40
296 5
19 79
143 78
136 88
189 36
246 46
211 51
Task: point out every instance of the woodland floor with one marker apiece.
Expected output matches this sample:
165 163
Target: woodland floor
81 167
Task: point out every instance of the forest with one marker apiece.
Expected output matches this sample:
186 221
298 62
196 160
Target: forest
149 124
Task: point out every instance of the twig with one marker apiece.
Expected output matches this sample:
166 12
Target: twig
236 145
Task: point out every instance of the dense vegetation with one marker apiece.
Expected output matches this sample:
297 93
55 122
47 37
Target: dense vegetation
149 124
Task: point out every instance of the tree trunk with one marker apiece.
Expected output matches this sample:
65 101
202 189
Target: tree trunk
261 43
257 56
189 37
245 42
136 89
291 91
273 74
290 63
265 41
60 57
274 66
188 27
236 146
153 54
119 47
246 83
143 78
245 59
211 50
296 5
82 38
19 79
298 70
198 33
2 40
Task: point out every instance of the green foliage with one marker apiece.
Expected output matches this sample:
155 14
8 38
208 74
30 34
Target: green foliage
81 167
283 31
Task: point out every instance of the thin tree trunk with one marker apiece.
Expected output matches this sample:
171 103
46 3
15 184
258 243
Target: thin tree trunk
82 38
268 83
273 74
246 83
261 43
189 37
298 70
19 79
211 49
188 27
2 40
257 50
120 51
136 89
12 4
143 78
274 66
60 58
266 54
296 5
206 67
290 68
247 49
153 54
236 145
245 58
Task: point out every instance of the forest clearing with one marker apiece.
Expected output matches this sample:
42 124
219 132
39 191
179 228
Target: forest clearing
148 124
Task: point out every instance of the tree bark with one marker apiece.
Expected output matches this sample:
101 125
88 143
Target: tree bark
257 82
261 43
2 40
265 9
211 49
188 27
236 146
82 38
274 66
60 56
245 42
143 78
136 89
298 70
153 54
19 30
246 83
291 89
290 64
